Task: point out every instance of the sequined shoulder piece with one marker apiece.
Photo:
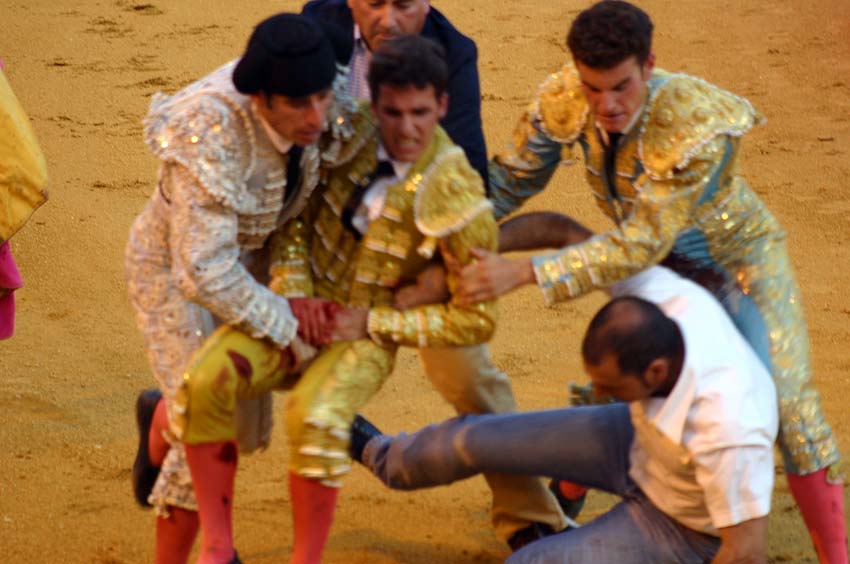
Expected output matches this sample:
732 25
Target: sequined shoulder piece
209 132
561 107
685 113
350 126
450 195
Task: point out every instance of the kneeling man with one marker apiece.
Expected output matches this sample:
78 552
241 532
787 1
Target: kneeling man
689 448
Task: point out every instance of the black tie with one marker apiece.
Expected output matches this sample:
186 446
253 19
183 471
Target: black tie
609 175
293 168
384 169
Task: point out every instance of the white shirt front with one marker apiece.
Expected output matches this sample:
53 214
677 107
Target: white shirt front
373 200
704 454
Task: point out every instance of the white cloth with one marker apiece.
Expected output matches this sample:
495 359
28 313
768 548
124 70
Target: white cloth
704 454
372 205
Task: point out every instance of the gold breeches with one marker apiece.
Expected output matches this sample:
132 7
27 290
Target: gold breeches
229 366
321 407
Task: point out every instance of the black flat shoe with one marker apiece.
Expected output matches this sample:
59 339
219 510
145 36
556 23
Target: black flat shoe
144 472
362 431
529 534
570 507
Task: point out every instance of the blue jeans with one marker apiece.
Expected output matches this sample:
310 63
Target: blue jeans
589 445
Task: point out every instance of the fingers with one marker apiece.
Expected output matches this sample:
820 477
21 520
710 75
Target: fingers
451 262
481 254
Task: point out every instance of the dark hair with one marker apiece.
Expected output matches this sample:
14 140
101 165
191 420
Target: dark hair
409 60
635 331
608 33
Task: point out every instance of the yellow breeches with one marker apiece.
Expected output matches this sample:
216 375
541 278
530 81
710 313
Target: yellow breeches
321 407
229 366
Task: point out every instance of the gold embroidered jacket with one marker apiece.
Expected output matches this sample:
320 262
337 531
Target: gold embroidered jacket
676 175
440 204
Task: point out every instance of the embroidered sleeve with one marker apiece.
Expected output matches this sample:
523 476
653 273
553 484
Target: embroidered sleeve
206 265
544 134
663 209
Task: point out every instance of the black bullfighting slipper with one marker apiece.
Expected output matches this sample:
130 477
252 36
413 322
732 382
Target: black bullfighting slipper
529 534
570 506
144 472
362 431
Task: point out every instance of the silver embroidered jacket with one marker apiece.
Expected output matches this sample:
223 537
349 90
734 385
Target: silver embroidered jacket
195 252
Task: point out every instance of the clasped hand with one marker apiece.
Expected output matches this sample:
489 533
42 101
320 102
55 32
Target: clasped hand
321 321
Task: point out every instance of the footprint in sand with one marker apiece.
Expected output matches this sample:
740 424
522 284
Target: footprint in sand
140 8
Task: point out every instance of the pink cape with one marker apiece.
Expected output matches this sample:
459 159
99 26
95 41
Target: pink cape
10 279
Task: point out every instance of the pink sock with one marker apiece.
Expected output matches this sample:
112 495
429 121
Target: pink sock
213 468
822 506
175 536
313 506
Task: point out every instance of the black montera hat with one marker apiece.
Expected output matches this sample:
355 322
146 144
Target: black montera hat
287 54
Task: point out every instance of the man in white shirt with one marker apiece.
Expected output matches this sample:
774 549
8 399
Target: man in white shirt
690 453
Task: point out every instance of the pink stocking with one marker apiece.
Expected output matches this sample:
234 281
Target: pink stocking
822 506
313 506
175 536
213 468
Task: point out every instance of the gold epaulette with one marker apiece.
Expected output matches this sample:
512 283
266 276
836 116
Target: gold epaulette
449 196
685 113
560 107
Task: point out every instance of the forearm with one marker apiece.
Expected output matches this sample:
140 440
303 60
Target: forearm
435 325
523 168
540 230
744 543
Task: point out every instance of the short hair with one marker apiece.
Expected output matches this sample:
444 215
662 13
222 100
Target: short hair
608 33
635 331
409 60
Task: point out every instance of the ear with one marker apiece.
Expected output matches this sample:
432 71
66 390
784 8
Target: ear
655 375
443 105
648 65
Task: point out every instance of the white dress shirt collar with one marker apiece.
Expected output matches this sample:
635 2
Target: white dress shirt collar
281 143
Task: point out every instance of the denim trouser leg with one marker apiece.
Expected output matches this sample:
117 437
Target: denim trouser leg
633 532
589 445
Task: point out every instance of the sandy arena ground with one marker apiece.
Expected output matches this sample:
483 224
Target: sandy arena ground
85 70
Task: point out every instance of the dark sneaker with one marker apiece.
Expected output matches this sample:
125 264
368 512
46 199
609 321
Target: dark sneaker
570 506
529 534
362 431
585 394
144 473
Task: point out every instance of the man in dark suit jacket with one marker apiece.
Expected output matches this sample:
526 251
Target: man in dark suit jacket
371 22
